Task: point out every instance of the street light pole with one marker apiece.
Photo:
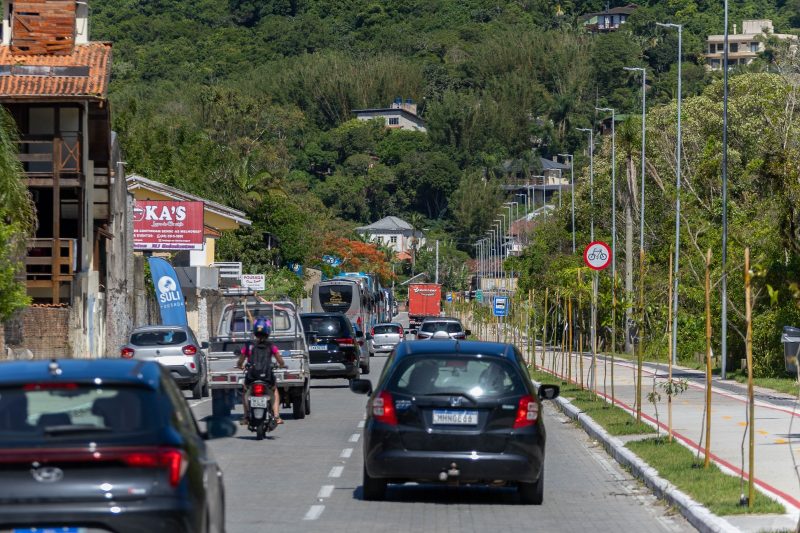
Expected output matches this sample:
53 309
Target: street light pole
724 343
593 328
572 194
613 240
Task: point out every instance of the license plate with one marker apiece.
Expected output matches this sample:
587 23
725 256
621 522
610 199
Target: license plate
258 401
456 418
318 348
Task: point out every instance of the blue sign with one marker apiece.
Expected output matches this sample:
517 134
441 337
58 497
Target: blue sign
297 268
168 293
331 260
500 306
449 296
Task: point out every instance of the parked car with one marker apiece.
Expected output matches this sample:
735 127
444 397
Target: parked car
384 337
104 445
363 355
175 347
433 325
333 347
454 412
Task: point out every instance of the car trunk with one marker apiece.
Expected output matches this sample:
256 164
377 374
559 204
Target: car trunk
330 351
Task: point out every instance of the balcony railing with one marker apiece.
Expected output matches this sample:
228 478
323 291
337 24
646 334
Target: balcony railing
45 157
49 263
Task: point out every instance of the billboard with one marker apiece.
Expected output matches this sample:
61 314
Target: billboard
165 225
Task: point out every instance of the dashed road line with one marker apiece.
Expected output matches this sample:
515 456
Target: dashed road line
346 453
198 402
354 437
325 491
361 424
314 512
336 471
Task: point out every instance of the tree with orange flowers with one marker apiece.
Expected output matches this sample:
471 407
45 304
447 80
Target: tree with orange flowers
360 256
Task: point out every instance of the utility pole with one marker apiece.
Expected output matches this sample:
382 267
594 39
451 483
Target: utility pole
613 240
572 194
724 343
437 262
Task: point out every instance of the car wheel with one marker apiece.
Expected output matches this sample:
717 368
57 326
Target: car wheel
308 402
206 392
532 493
373 489
197 389
298 406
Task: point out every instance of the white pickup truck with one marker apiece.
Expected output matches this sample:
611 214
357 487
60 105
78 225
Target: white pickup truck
234 332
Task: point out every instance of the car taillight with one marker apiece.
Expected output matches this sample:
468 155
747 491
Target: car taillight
190 349
173 460
126 353
372 331
383 409
401 332
259 389
527 412
49 386
346 341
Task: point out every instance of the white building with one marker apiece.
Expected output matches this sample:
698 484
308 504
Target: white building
743 47
395 233
401 115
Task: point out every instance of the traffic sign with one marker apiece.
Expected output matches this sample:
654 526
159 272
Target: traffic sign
597 255
479 296
449 296
331 260
500 306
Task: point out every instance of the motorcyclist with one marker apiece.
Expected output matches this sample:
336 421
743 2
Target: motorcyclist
261 331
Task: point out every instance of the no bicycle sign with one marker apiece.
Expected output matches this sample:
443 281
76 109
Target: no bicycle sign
597 255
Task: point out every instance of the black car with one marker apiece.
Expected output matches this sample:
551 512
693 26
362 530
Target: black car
455 412
334 346
104 445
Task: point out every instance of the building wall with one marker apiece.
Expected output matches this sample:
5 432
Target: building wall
404 121
42 330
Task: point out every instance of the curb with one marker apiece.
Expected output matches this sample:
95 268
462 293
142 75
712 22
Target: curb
696 514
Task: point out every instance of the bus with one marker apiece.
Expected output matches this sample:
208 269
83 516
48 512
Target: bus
343 295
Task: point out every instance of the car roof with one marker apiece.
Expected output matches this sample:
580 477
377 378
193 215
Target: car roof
323 315
117 371
456 348
388 324
159 328
440 319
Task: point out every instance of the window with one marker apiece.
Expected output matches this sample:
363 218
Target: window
734 48
164 337
393 239
479 378
754 47
715 63
394 121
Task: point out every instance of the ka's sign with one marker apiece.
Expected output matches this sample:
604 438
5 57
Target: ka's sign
160 225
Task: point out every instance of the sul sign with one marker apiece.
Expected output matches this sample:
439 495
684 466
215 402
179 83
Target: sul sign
597 255
163 225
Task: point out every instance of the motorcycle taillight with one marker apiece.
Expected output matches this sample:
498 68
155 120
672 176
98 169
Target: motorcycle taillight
259 389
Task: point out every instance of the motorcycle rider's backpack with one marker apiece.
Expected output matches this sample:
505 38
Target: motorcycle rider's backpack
260 362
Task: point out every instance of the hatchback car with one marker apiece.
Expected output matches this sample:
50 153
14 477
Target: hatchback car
333 348
384 337
445 327
104 445
175 347
455 412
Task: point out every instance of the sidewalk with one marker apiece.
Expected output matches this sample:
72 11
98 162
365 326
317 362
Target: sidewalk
777 421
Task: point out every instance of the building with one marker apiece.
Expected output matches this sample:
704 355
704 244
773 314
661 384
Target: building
537 189
394 233
609 20
54 83
743 47
401 115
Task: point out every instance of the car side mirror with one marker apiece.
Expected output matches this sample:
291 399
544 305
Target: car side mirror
361 386
467 332
549 392
204 345
219 427
369 337
359 334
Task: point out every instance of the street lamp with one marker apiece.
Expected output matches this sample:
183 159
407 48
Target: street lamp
593 329
724 284
674 339
590 131
613 239
644 110
572 193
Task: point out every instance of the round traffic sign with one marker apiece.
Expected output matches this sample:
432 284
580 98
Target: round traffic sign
597 255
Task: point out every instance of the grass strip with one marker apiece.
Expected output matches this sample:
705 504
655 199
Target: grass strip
786 385
711 487
614 419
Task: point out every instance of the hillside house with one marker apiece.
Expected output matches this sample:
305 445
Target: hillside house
611 19
402 114
394 233
743 47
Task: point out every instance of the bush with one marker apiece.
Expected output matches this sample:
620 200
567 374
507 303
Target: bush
767 347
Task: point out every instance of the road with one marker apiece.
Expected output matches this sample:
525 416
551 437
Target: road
307 477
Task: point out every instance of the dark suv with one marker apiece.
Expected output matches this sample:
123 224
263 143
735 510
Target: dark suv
106 445
334 346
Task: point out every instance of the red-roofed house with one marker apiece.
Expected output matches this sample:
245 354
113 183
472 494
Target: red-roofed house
54 83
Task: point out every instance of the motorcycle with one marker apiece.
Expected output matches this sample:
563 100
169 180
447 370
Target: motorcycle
260 419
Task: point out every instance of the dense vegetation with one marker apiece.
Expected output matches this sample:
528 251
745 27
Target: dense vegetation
250 103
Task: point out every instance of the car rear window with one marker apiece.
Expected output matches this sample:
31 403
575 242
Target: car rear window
241 321
379 330
70 412
165 337
478 378
449 327
336 298
325 326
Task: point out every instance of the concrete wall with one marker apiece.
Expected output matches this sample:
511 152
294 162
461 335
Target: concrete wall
44 331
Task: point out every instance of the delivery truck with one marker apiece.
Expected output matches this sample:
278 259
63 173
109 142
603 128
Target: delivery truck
424 299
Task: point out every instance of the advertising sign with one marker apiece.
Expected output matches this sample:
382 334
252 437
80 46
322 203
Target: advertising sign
500 307
597 255
331 260
168 293
162 225
253 281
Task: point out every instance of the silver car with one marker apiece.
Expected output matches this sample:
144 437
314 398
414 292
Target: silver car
384 337
176 348
442 327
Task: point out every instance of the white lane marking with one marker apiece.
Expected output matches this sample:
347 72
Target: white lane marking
346 453
354 437
336 471
361 424
314 512
325 491
198 402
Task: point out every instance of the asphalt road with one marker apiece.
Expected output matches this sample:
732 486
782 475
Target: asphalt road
307 477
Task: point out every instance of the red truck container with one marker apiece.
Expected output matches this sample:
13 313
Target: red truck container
424 299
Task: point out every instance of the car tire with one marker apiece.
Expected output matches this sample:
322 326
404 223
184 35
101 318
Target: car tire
197 389
532 493
373 489
298 406
206 391
308 402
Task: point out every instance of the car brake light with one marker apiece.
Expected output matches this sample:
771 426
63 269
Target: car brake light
173 460
372 331
190 349
383 409
126 353
527 412
401 332
49 386
259 389
346 341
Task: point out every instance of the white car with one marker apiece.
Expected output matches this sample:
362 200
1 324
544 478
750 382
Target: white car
384 337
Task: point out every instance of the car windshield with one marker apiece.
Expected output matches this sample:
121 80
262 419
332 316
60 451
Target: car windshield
72 411
162 337
324 326
382 330
470 376
242 321
449 327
